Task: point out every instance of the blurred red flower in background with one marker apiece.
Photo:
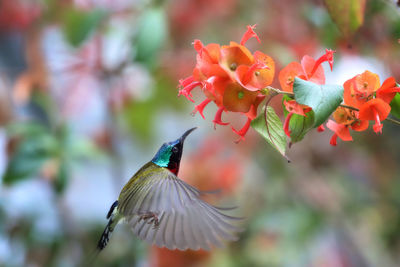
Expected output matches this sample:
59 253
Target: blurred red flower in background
17 15
162 257
217 171
187 16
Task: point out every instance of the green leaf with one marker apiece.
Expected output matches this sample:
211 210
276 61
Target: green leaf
347 14
300 125
29 157
395 105
61 181
323 99
78 24
139 116
272 131
151 36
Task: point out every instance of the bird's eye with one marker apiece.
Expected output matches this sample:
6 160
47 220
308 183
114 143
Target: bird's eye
175 149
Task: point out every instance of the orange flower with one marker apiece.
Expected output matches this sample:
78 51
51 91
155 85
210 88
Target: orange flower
388 90
365 93
257 76
231 77
341 130
308 69
238 99
376 110
360 88
345 119
287 75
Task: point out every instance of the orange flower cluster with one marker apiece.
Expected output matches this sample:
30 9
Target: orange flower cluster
231 77
364 93
309 70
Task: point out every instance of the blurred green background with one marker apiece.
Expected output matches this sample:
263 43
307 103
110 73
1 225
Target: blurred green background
88 94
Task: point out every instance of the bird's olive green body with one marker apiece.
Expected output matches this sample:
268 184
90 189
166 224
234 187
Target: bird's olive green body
138 181
163 210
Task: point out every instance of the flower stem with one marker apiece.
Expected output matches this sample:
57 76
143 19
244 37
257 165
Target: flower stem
276 90
349 107
393 121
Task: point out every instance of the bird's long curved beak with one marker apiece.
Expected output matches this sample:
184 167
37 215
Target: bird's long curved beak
183 137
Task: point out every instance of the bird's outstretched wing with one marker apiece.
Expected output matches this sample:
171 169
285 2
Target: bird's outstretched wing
184 220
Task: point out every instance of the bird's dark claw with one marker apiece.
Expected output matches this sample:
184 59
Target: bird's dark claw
150 218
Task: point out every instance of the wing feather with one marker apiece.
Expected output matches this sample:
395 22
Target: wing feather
178 234
185 220
208 230
196 240
197 228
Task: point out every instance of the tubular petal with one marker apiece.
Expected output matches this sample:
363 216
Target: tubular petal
377 126
252 113
217 118
388 90
186 94
201 107
293 107
286 124
340 129
242 132
198 46
333 140
249 34
187 89
308 64
321 128
388 94
328 56
369 109
185 82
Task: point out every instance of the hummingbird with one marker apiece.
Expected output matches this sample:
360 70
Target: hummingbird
165 211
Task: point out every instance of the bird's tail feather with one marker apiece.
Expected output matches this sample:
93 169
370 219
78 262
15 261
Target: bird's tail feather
90 260
105 237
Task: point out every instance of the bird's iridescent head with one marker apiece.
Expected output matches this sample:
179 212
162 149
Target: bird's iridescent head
169 155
